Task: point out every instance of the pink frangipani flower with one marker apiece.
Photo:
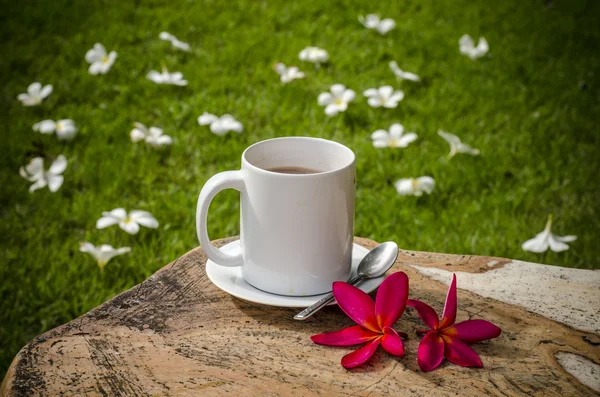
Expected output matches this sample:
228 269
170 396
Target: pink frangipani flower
446 339
375 319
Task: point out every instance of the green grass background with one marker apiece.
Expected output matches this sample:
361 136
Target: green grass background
531 106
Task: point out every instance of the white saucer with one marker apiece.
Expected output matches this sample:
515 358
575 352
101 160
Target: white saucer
230 280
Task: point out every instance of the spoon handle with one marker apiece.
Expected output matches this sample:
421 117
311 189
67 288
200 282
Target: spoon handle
318 305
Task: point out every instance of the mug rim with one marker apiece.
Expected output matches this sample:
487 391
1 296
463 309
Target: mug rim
248 165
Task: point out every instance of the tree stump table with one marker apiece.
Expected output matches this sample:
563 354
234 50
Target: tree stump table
178 334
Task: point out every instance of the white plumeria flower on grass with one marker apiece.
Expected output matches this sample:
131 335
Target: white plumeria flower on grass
165 77
287 74
456 146
396 138
372 21
220 125
415 186
314 55
546 239
336 100
34 172
129 222
153 136
402 75
174 41
35 94
467 47
100 61
384 96
102 253
64 129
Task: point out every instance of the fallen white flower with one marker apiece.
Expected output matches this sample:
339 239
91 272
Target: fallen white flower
314 54
64 129
102 253
129 222
372 21
100 62
394 139
336 100
402 75
467 47
288 74
546 239
174 41
415 186
220 125
165 77
383 96
35 94
34 172
456 146
153 136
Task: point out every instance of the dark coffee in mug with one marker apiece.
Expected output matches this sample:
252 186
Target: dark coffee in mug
294 170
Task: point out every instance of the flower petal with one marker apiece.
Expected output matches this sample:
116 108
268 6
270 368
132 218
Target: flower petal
348 95
371 92
426 312
332 109
360 356
345 337
374 101
407 138
87 247
207 118
431 352
34 88
144 218
537 244
390 301
59 165
461 354
129 227
392 343
47 90
386 91
118 213
356 304
380 135
338 90
106 221
45 126
405 187
325 98
396 97
396 130
40 183
565 239
473 331
55 182
137 135
556 245
449 315
35 166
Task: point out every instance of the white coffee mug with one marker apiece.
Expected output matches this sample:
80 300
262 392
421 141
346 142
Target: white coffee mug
296 230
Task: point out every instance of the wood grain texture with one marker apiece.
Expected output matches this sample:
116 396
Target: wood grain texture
177 334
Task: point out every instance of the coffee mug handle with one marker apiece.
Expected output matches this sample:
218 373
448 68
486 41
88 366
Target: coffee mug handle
218 182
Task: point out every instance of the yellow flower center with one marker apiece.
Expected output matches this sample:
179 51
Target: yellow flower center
128 220
338 101
105 59
415 184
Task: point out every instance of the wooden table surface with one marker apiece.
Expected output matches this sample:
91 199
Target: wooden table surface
178 334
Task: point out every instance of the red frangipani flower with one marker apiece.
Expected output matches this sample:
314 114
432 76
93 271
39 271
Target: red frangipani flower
447 339
374 319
